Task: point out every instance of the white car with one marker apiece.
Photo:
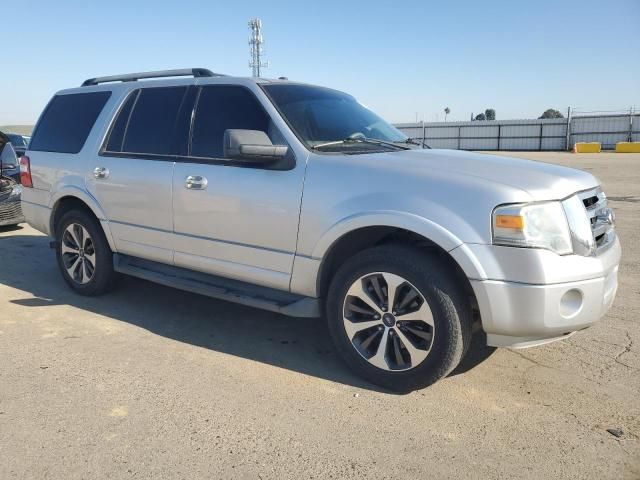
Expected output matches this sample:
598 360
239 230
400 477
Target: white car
297 199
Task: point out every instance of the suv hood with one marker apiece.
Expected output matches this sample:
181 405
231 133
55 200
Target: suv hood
542 181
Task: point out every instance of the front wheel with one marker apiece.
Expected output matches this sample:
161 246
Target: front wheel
83 254
399 317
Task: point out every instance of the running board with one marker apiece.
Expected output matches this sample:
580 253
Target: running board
221 288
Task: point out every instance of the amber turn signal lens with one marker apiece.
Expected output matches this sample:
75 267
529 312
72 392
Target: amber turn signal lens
510 221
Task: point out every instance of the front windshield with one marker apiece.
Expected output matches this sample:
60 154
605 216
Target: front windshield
320 115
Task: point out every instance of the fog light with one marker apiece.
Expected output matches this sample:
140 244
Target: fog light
570 303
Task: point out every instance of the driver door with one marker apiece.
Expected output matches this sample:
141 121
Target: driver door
241 221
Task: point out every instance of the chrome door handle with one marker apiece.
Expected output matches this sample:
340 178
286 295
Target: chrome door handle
195 182
101 172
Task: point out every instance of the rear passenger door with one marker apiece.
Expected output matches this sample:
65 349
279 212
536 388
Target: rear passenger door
243 224
132 175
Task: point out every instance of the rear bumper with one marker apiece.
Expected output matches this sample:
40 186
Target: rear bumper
37 216
520 314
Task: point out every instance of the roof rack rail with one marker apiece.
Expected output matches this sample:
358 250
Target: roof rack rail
132 77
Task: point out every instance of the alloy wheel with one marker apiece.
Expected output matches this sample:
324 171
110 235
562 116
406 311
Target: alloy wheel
388 321
78 253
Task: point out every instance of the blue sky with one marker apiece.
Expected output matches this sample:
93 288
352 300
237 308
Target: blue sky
398 58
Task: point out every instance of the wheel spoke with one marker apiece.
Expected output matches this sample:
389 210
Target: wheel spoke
369 340
396 350
91 259
70 238
423 314
379 359
86 242
79 234
417 355
410 296
72 269
65 248
418 333
393 283
375 281
86 276
354 327
356 290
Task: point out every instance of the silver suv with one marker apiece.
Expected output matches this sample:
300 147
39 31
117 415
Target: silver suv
297 199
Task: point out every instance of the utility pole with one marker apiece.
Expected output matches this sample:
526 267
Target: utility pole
255 43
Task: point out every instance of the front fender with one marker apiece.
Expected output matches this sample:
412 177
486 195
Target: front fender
387 218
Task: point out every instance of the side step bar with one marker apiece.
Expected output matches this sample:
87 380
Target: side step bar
217 287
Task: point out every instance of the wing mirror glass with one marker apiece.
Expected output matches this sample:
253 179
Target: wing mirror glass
251 146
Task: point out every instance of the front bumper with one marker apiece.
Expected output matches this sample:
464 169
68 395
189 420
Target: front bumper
11 211
518 314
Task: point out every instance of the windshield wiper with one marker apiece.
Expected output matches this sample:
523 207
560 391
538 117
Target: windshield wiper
414 141
359 138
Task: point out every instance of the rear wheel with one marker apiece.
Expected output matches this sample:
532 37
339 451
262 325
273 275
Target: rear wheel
83 254
398 317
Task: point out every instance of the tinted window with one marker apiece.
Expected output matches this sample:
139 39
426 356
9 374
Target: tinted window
320 115
152 122
221 108
67 121
120 125
16 140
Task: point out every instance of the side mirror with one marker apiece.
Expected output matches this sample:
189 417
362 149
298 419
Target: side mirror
251 146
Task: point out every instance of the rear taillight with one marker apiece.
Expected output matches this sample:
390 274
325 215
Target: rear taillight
25 172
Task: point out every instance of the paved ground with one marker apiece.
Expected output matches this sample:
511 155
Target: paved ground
150 382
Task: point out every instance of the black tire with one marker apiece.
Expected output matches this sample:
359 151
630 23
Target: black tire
435 280
103 276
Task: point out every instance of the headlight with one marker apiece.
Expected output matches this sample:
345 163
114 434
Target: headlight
535 225
16 190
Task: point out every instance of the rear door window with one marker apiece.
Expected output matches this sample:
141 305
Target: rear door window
67 121
151 125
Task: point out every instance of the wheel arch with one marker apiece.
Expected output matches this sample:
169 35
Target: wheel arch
72 198
361 232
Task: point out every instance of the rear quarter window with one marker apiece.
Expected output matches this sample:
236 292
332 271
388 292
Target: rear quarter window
67 121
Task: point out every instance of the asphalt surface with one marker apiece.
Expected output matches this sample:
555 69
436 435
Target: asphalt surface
150 382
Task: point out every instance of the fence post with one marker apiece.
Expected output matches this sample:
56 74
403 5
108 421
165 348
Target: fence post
540 139
424 134
498 137
630 124
459 134
568 142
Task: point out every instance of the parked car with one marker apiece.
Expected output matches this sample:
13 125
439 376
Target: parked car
8 158
10 189
19 143
297 199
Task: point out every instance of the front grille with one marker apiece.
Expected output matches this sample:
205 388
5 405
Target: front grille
10 211
602 229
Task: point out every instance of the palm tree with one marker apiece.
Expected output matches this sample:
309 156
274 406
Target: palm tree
447 111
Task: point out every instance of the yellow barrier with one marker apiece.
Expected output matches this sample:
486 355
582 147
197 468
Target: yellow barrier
587 147
628 147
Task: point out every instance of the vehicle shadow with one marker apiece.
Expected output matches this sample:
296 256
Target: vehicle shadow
298 344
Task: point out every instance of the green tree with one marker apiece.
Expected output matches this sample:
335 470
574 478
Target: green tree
447 111
551 113
480 116
490 114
